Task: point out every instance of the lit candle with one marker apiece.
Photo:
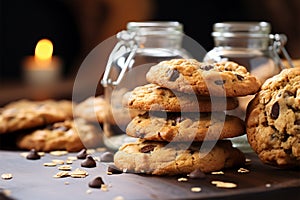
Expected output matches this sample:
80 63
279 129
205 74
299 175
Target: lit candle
43 68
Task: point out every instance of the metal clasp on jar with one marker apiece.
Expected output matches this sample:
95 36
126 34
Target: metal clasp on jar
125 48
279 40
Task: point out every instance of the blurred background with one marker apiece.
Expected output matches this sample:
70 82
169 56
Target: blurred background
75 27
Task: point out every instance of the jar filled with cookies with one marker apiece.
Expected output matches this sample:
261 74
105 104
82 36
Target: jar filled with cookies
252 45
139 47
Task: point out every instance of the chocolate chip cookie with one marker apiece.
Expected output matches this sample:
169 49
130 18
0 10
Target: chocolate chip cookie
70 135
93 109
166 126
156 98
24 114
215 79
273 120
161 158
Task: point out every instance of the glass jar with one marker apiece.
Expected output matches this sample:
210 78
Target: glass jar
139 47
252 45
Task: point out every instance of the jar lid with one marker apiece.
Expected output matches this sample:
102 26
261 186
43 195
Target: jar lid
241 29
155 27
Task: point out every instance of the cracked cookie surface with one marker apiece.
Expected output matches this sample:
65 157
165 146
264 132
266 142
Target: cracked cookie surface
156 98
215 79
165 126
71 135
160 158
273 120
24 114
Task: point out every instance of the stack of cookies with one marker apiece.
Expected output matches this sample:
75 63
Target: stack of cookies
47 125
185 127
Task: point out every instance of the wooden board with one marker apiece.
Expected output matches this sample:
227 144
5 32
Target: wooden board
32 180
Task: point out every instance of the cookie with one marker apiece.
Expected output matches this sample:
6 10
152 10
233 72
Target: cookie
215 79
24 114
273 120
70 135
161 158
160 126
93 109
156 98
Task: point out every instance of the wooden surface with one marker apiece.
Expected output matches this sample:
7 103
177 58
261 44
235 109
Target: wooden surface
32 180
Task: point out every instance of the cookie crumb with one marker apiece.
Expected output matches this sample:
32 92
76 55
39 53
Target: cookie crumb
61 174
58 161
221 184
243 170
49 164
67 183
219 172
58 153
268 185
196 189
118 198
65 167
6 176
88 191
248 161
182 179
79 173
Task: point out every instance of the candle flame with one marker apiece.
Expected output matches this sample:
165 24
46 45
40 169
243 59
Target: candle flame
44 50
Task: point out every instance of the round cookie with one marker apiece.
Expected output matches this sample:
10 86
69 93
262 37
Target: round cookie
273 120
93 109
160 158
215 79
24 114
156 98
159 126
70 135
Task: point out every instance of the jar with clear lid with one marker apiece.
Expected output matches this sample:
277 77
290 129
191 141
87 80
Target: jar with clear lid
139 47
252 45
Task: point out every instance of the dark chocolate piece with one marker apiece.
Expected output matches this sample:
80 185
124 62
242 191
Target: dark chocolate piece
33 155
88 162
96 182
82 154
112 169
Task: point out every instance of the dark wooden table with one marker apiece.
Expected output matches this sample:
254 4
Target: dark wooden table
32 180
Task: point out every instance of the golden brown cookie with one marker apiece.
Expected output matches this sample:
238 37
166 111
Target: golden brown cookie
93 109
215 79
160 158
156 98
24 114
160 126
70 135
273 120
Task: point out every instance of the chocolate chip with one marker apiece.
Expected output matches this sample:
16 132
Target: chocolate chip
239 77
275 111
206 67
112 169
96 182
107 157
82 154
147 148
297 122
88 162
173 74
289 93
220 82
196 174
33 155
